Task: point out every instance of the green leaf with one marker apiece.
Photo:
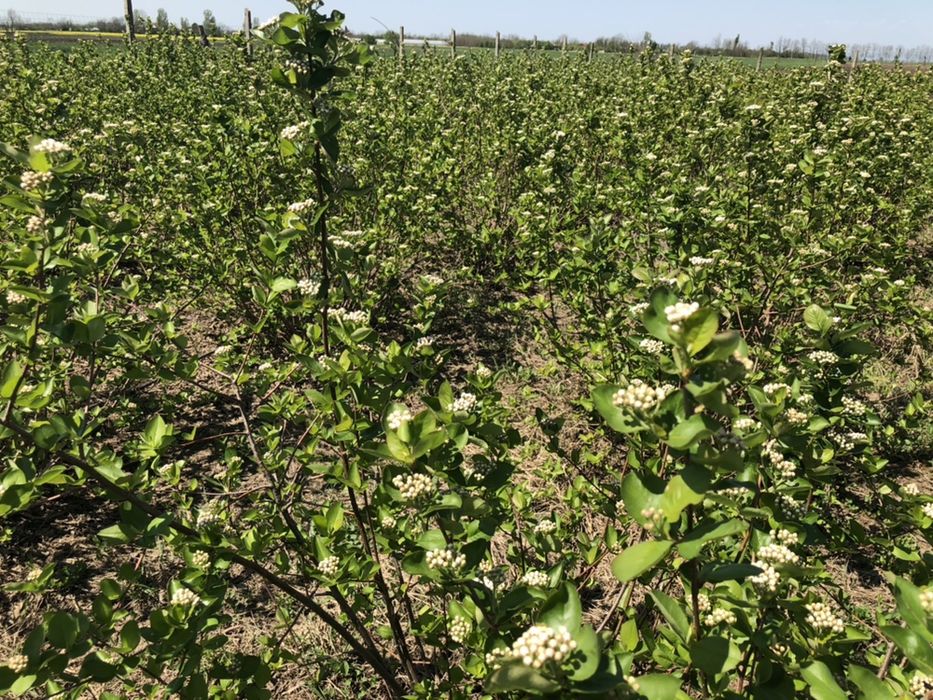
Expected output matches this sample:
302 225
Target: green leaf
822 684
11 375
914 647
869 684
674 613
689 432
587 648
715 655
636 560
711 573
678 494
911 609
655 319
63 630
817 319
517 676
659 686
615 417
700 330
691 545
129 637
563 608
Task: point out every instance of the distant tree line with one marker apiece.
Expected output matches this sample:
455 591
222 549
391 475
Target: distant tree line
733 46
143 22
719 46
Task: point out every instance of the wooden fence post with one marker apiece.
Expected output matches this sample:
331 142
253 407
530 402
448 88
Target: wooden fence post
401 46
761 53
563 46
453 43
670 52
854 66
248 31
534 43
130 19
498 44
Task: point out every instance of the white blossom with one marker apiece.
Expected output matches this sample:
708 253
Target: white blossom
821 617
185 597
465 403
414 486
329 566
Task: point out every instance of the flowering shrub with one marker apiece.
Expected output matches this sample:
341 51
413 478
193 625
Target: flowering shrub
331 442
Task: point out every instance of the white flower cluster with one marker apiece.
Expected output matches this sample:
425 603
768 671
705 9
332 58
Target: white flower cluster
794 508
639 309
823 357
703 603
768 580
821 617
33 180
388 522
774 387
290 133
848 441
14 297
51 146
785 468
777 554
746 362
208 516
17 663
920 685
654 516
545 527
927 509
309 287
540 645
341 314
926 600
536 579
796 417
424 342
460 629
640 396
805 399
185 597
476 468
94 198
785 537
718 616
911 489
483 372
201 559
328 566
34 574
853 407
301 207
36 224
698 261
432 280
447 559
398 417
413 486
652 346
745 424
465 403
680 312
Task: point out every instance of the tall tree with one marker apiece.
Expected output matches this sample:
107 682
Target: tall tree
210 24
162 23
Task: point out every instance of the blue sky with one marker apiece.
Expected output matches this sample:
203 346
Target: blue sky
897 22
